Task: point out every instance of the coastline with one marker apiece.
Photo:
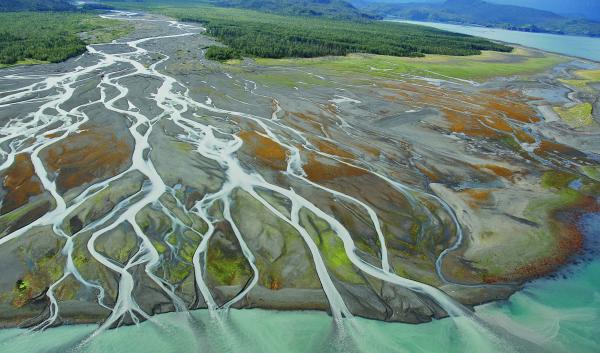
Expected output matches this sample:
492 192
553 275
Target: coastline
558 37
466 24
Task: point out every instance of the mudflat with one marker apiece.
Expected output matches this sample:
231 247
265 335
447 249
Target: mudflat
141 178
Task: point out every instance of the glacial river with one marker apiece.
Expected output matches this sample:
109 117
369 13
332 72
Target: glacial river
560 315
557 315
582 47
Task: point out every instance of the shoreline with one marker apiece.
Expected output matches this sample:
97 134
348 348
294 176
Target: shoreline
465 24
559 36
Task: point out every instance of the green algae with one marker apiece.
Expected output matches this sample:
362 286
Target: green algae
177 271
591 172
225 268
9 219
577 116
159 246
331 247
280 253
43 269
557 179
583 80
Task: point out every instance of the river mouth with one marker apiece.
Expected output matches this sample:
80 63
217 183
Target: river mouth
164 182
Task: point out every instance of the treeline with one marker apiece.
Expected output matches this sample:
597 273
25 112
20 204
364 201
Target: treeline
338 9
221 53
48 36
272 36
36 5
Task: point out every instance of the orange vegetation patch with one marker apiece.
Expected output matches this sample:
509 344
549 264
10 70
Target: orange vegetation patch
464 123
523 136
498 171
373 151
317 170
570 241
87 156
390 98
266 150
555 151
482 114
311 120
432 173
492 113
546 146
275 284
511 105
330 148
20 183
54 135
478 197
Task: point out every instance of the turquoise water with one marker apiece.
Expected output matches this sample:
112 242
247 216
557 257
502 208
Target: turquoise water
559 315
583 47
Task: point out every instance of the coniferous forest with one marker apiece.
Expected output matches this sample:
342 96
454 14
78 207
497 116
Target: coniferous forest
55 36
221 53
36 5
274 36
51 36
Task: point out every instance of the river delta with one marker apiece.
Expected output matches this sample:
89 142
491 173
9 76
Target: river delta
142 179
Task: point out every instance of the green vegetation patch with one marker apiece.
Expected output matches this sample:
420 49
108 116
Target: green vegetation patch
592 172
222 53
485 66
33 37
577 116
331 247
590 75
557 179
583 80
227 268
96 30
44 267
36 5
273 36
318 8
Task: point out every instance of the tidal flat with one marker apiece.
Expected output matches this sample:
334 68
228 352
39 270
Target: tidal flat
140 178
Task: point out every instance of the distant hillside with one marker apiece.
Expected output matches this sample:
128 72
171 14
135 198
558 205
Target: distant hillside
35 5
487 14
314 8
589 9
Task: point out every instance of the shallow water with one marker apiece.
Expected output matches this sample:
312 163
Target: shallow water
582 47
561 315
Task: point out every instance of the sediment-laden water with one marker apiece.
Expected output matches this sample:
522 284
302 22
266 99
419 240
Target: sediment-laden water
562 314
